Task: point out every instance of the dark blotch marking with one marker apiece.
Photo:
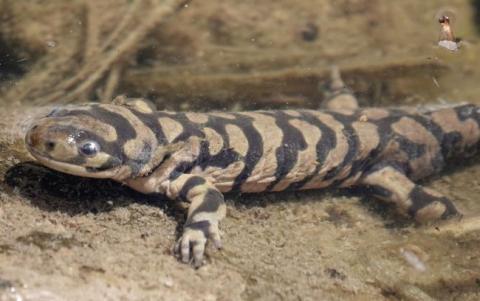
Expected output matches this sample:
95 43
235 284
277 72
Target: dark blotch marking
413 150
438 161
227 155
212 200
384 127
469 112
190 129
181 168
189 184
327 142
359 165
451 144
124 129
254 152
466 111
420 199
150 120
352 141
136 164
287 153
386 134
201 226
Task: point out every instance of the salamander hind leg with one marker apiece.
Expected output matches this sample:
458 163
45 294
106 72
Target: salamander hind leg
207 208
338 96
390 184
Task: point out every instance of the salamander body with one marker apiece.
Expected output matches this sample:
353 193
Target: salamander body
196 157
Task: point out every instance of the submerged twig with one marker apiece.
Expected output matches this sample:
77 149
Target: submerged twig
73 72
96 68
92 32
112 83
122 26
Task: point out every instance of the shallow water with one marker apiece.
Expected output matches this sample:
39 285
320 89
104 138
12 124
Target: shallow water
67 238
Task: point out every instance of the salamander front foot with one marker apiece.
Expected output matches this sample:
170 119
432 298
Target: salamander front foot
191 246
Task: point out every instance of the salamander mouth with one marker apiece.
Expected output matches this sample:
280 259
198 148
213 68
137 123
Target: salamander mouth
72 169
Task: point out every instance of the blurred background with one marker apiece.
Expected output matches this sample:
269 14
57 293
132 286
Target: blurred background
235 55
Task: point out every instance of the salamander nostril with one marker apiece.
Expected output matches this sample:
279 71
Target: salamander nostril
49 145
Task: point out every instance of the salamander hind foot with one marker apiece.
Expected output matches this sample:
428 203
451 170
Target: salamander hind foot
425 205
429 205
338 96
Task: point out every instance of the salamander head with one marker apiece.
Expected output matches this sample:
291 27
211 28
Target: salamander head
84 140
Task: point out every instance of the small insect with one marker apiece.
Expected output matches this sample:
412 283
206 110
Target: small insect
447 39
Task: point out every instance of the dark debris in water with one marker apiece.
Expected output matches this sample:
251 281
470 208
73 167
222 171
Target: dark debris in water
4 248
335 274
310 32
6 284
49 241
339 216
92 269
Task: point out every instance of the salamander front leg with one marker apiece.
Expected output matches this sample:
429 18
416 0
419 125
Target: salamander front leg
207 208
423 204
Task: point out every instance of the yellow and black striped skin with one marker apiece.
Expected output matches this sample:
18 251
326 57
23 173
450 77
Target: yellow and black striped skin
197 157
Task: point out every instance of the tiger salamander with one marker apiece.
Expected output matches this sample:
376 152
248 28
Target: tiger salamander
196 157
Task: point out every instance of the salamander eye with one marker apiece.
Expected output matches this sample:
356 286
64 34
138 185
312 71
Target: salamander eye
89 148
